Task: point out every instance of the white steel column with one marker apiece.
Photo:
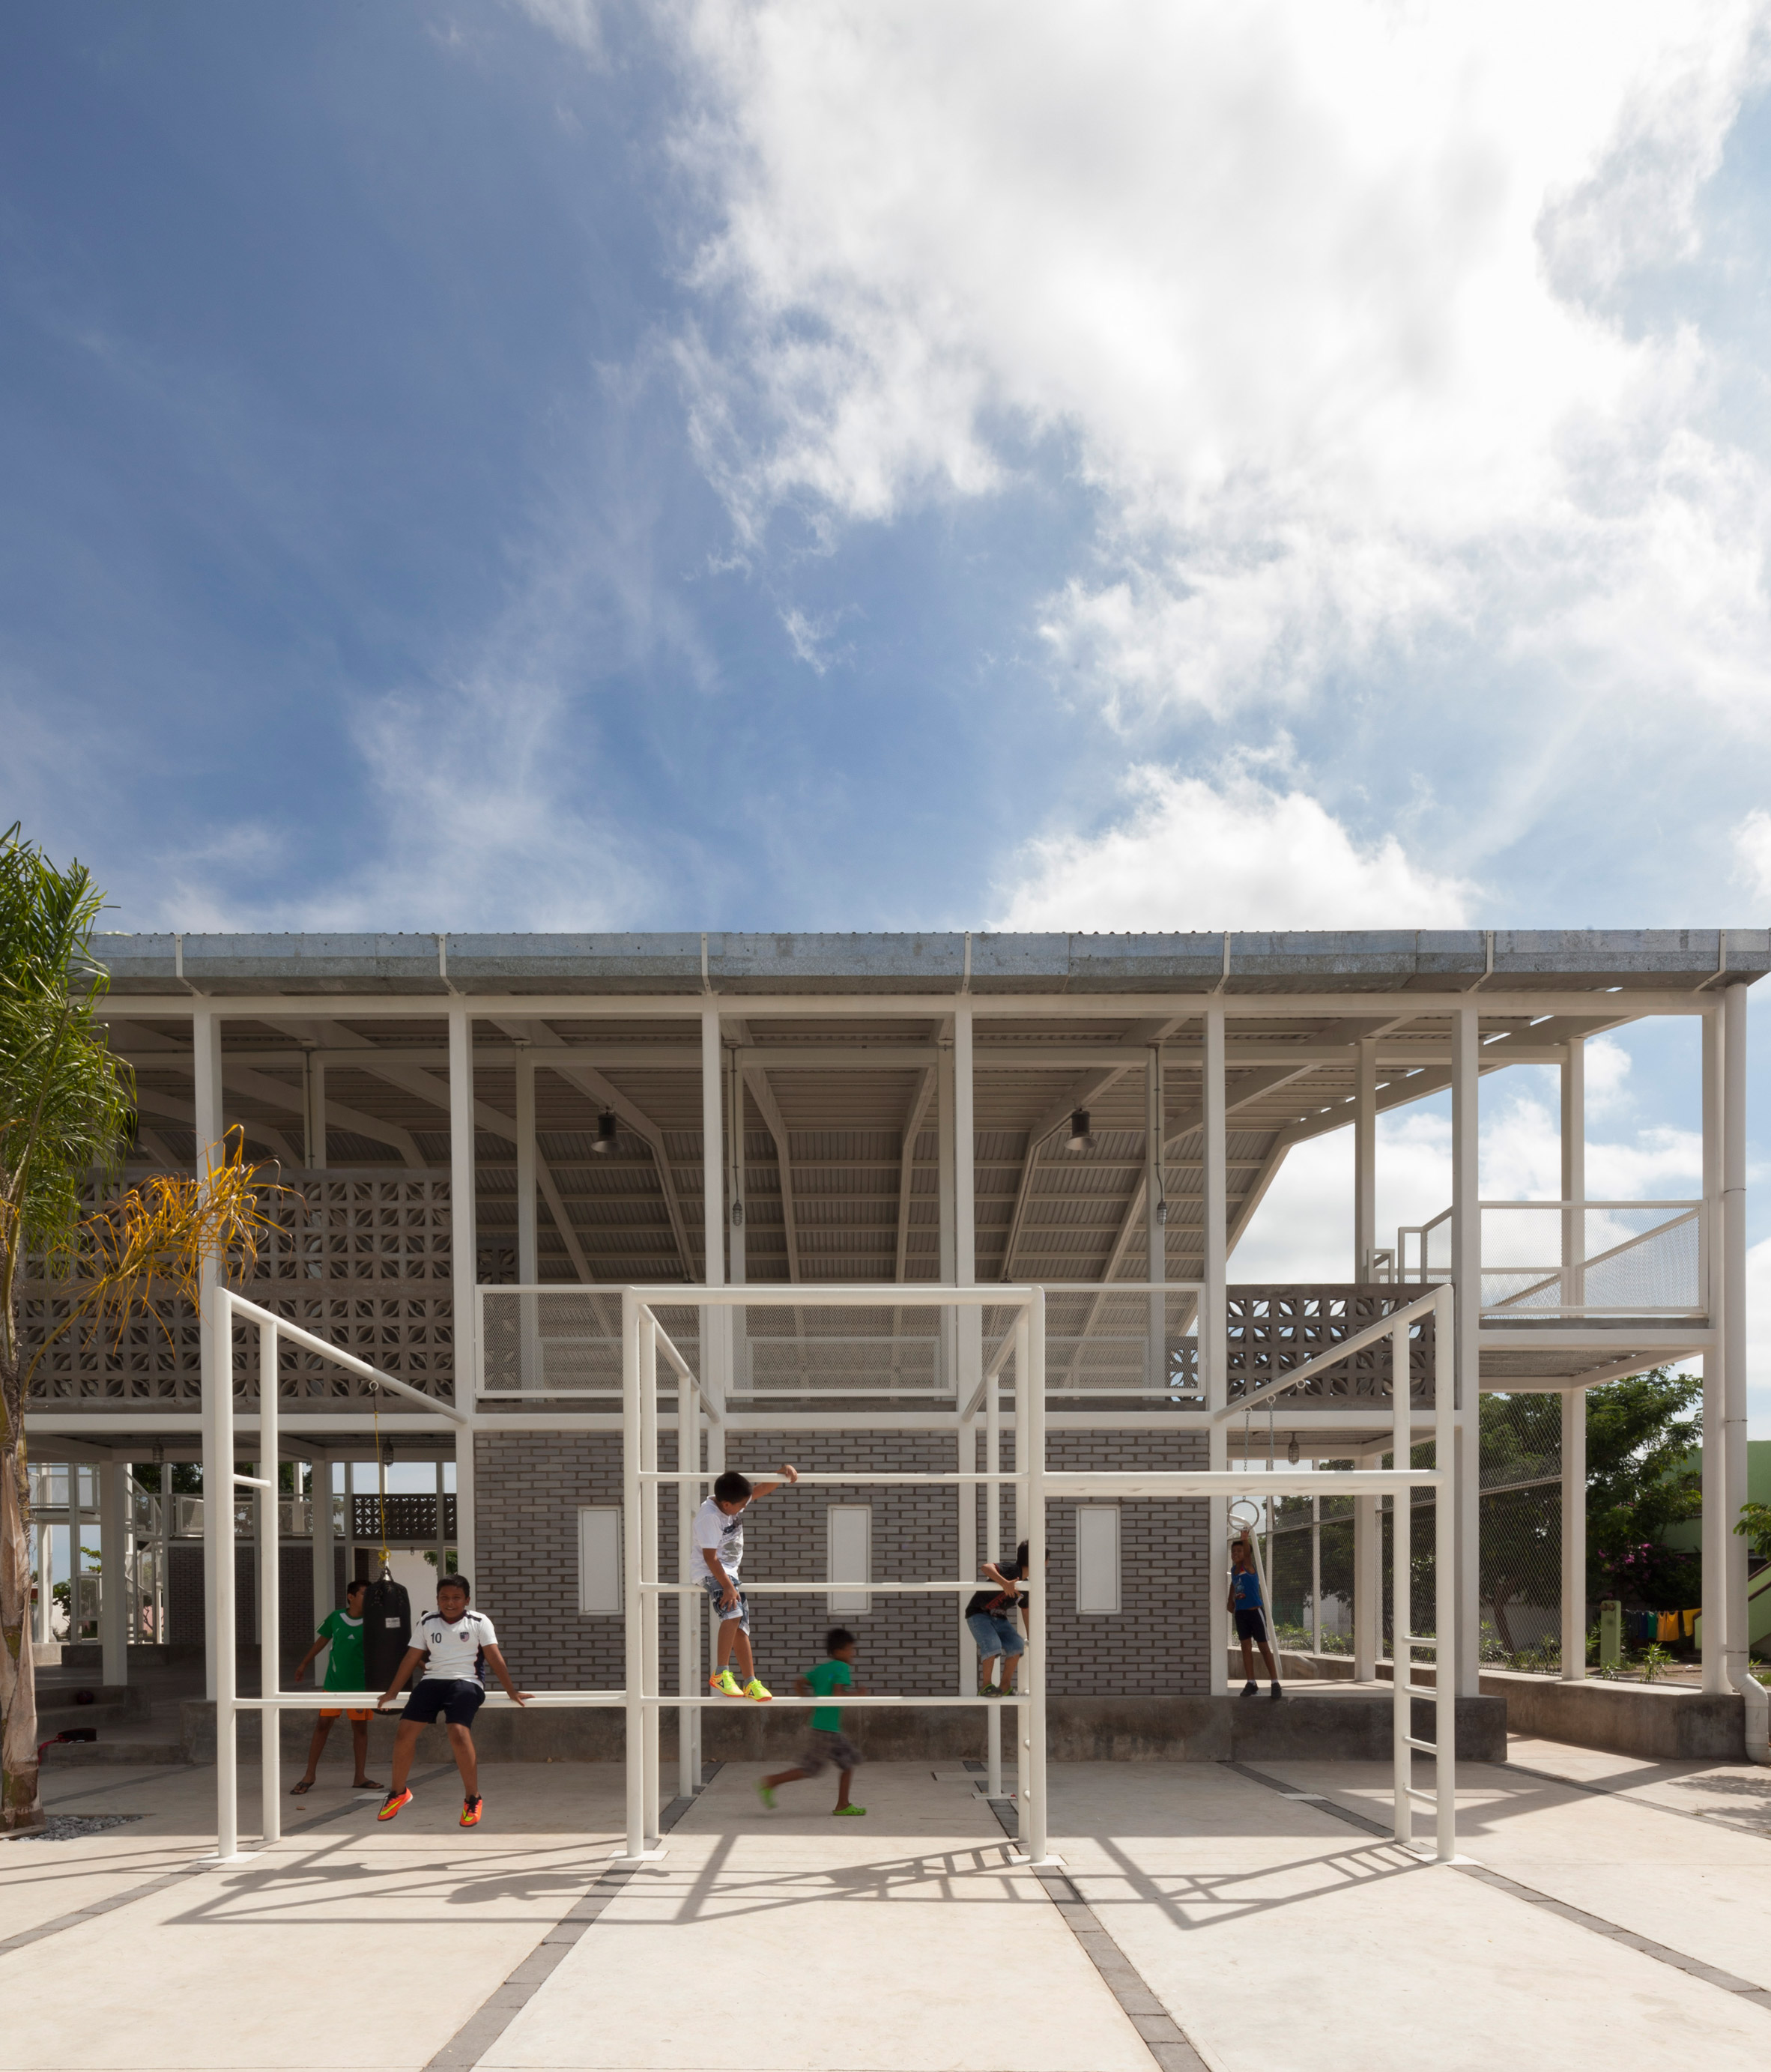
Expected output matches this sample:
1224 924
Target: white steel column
1466 1226
1574 1535
722 1330
1736 1610
993 1535
1715 1523
1367 1576
1574 1401
1401 1655
319 1523
218 1509
113 1581
216 1359
1030 1455
464 1275
1214 1334
76 1554
270 1629
528 1257
1444 1564
1156 1217
652 1568
1365 1164
969 1334
633 1632
316 1067
1315 1575
1573 1170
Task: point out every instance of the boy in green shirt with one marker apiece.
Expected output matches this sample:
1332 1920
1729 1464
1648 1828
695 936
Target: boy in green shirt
342 1633
829 1744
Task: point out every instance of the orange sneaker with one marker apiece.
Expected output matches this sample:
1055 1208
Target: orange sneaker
470 1811
391 1804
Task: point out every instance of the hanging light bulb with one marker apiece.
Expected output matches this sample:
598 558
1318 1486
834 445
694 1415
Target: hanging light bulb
1080 1137
1291 1451
605 1131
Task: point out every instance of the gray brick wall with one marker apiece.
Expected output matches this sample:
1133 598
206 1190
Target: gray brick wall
530 1488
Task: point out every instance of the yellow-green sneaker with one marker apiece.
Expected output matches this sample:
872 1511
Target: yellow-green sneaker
756 1688
725 1685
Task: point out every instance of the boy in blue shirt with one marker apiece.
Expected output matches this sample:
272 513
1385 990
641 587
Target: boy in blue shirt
829 1744
1250 1617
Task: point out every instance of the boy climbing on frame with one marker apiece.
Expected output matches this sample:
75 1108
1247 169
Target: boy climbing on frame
455 1646
719 1540
342 1632
1251 1616
827 1743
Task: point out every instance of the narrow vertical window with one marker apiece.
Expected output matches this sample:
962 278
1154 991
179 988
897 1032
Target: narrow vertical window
1097 1558
599 1559
850 1534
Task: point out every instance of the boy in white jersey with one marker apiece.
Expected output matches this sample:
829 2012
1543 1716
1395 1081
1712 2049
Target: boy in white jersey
456 1646
719 1540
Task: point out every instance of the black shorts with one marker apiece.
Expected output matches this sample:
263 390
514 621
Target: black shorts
458 1698
1251 1625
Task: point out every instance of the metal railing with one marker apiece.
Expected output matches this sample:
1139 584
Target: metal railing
1597 1259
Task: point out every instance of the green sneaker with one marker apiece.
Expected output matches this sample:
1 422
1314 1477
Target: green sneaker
767 1796
725 1685
850 1813
757 1689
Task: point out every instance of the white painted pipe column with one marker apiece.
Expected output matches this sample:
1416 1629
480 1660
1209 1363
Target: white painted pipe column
1401 1655
1030 1457
113 1581
1737 1609
76 1554
1574 1535
270 1627
1715 1522
1315 1575
1467 1285
633 1632
320 1521
1214 1335
218 1509
969 1337
1444 1570
1364 1161
722 1329
651 1569
688 1622
1367 1582
464 1282
216 1359
528 1257
993 1535
1156 1239
1574 1171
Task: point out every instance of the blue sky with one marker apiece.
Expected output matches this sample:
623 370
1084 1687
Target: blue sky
537 464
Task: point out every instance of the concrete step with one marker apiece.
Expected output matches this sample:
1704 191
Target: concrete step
116 1701
102 1753
53 1719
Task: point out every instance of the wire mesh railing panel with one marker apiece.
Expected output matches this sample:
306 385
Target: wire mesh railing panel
1636 1258
567 1342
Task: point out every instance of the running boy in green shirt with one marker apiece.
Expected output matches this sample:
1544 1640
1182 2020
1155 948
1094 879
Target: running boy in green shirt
827 1744
342 1633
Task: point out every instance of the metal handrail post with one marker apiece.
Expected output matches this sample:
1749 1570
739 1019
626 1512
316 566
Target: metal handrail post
1444 1586
648 1555
269 1587
1402 1653
633 1619
1035 1463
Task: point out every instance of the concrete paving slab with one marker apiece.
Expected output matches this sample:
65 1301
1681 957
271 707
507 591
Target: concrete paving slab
1318 1949
907 1941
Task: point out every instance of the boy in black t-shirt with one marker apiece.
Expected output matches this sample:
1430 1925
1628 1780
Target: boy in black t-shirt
991 1617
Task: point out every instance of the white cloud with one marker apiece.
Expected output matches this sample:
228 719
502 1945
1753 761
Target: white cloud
1606 1074
1233 854
1752 854
1315 292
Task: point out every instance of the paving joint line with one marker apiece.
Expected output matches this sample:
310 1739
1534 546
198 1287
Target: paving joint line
1162 2035
500 2008
82 1914
1722 1817
1595 1924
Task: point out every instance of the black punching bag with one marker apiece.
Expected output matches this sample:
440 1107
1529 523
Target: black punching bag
387 1630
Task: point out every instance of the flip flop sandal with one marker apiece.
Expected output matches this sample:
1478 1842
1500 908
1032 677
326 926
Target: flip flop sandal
368 1784
301 1788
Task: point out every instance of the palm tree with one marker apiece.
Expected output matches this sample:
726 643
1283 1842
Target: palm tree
66 1105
